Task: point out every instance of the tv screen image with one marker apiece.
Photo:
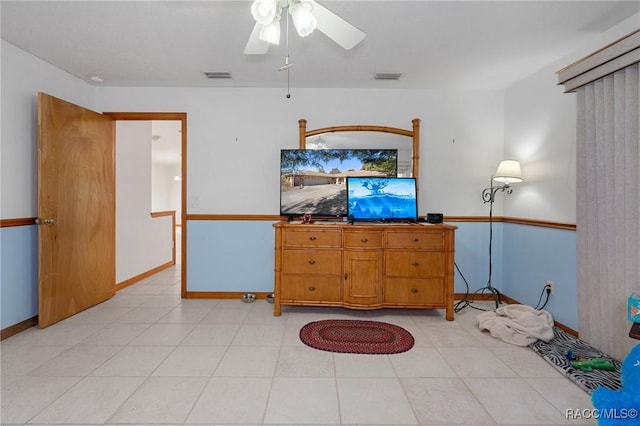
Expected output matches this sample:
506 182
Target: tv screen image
314 181
382 198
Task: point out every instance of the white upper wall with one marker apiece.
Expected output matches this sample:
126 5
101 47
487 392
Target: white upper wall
540 131
234 137
22 77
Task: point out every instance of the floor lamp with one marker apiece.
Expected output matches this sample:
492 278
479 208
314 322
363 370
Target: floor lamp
508 172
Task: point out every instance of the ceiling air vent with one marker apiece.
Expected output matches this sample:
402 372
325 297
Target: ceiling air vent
386 75
217 75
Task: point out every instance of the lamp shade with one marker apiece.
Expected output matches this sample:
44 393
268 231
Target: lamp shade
303 19
509 171
264 11
271 32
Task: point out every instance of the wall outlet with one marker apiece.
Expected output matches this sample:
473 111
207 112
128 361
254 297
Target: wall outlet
550 285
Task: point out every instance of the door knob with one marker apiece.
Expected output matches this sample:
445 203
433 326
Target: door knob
49 221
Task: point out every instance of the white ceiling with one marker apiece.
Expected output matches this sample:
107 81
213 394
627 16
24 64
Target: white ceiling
434 44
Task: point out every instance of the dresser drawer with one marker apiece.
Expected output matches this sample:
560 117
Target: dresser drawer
414 291
415 240
320 262
309 237
309 287
363 239
414 263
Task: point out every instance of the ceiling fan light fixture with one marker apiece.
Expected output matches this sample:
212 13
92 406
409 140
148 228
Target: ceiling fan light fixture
264 11
303 19
271 33
95 78
307 15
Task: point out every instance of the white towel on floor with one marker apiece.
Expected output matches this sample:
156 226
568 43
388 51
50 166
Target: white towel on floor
517 324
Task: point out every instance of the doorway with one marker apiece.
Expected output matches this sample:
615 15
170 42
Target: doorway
179 121
166 167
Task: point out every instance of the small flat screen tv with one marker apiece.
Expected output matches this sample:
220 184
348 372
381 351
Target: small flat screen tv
314 180
392 199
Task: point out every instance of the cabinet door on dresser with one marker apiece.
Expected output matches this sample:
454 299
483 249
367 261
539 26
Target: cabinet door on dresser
362 277
363 268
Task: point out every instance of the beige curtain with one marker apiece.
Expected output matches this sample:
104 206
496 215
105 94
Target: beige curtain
608 187
608 208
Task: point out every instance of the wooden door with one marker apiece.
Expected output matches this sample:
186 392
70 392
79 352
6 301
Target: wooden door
76 209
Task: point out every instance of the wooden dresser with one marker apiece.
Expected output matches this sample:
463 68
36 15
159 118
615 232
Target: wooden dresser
364 266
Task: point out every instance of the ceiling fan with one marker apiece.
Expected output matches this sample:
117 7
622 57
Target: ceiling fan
307 15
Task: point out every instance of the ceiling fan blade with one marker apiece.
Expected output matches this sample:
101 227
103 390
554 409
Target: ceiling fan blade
256 46
336 28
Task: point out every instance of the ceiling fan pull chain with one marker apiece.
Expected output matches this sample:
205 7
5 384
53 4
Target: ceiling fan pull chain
286 62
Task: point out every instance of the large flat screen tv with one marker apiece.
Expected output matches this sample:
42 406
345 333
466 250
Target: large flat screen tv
314 180
382 199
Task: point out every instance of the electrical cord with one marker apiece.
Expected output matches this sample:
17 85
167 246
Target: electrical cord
546 290
488 196
465 301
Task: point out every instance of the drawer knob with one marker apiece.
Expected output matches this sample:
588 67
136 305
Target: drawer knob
414 263
415 239
414 290
312 238
312 289
364 240
312 262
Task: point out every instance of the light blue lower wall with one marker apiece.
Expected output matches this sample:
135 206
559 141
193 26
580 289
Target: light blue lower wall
239 256
472 256
533 255
18 274
524 258
230 256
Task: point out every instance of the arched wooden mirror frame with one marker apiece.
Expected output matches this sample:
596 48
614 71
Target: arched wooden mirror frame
414 134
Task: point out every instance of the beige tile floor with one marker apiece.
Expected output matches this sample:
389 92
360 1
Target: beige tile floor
148 357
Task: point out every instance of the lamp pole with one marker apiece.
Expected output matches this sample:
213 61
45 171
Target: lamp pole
489 196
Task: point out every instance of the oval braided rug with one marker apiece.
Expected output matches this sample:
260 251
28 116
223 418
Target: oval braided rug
356 337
